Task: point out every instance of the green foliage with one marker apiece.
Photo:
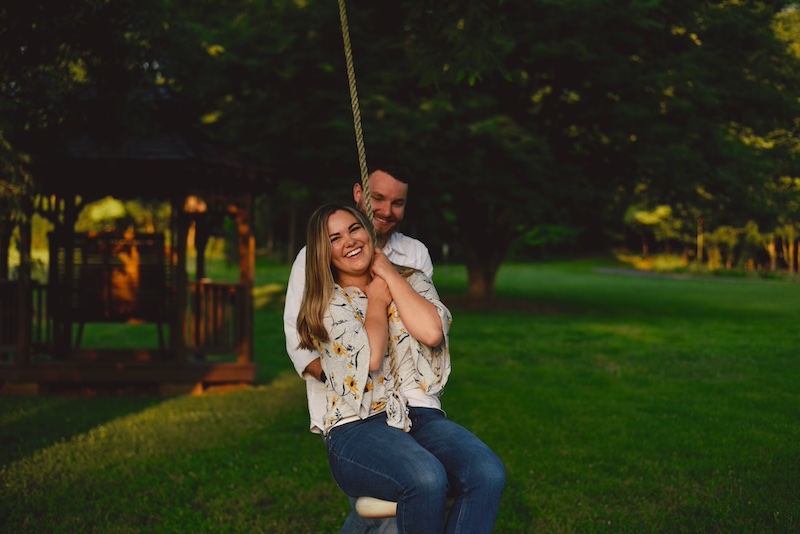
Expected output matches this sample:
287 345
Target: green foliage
112 214
51 56
618 402
516 114
720 245
15 180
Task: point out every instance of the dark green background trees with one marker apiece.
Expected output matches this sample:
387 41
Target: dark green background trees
532 125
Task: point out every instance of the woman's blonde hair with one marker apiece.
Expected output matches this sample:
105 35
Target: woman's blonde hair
320 272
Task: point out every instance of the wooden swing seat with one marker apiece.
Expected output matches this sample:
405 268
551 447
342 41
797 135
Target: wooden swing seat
374 508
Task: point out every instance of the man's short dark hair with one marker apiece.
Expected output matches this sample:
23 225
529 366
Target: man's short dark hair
396 170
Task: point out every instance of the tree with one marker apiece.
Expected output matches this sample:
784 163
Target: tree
519 115
53 55
14 177
721 249
658 223
568 112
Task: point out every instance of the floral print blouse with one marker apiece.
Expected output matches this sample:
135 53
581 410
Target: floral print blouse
353 392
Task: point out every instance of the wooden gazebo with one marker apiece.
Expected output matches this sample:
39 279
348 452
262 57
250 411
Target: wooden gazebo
204 327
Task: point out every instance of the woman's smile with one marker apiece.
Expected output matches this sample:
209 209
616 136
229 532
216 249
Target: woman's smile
351 248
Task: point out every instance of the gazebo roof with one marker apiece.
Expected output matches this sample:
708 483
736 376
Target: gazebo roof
150 148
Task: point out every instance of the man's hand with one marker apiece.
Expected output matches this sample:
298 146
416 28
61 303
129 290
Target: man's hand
314 369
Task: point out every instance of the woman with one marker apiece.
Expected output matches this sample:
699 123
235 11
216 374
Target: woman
382 333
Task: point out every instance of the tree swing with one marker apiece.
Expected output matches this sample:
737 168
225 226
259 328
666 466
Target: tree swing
367 507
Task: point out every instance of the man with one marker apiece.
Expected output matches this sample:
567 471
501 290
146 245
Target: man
388 187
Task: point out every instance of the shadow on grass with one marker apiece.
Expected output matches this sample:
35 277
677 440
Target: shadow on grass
29 424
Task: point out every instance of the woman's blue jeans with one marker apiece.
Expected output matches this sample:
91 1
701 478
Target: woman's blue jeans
420 470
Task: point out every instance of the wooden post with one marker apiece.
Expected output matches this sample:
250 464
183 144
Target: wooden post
6 229
247 268
24 299
699 258
177 339
6 337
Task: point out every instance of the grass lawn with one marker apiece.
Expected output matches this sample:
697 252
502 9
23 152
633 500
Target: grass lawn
619 403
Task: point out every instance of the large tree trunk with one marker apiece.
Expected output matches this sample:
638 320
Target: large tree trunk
483 259
485 230
790 247
481 280
772 250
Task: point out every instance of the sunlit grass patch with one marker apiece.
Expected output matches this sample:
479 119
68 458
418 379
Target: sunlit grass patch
617 403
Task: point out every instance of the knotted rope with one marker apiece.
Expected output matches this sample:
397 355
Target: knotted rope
351 77
362 153
365 506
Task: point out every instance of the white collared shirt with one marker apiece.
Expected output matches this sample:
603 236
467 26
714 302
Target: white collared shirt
400 250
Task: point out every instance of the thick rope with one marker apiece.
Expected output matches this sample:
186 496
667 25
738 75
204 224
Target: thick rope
351 77
362 155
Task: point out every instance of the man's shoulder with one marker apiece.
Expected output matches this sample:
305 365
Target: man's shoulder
399 240
300 259
409 252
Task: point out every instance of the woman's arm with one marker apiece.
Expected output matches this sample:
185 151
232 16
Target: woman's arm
420 316
376 321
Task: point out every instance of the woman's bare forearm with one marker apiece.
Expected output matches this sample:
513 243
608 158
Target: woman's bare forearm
376 324
419 315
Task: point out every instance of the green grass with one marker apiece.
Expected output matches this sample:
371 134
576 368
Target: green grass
618 403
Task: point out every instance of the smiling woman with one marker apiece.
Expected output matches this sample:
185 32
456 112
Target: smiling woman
382 333
351 248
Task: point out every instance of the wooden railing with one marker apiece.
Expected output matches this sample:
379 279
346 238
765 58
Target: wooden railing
9 317
41 326
215 319
209 344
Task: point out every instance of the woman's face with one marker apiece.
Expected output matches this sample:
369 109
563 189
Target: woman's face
351 246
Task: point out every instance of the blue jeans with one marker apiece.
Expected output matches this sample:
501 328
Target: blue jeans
420 470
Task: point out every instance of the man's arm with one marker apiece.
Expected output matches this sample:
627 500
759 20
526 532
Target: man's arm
306 362
314 368
426 264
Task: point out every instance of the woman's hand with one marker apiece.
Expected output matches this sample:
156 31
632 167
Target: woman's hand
381 266
420 317
378 292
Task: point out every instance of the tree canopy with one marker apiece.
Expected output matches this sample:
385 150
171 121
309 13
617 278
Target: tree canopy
528 122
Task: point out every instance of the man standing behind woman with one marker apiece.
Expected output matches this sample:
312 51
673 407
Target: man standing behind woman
389 184
383 335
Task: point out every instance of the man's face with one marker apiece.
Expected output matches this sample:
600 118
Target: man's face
388 198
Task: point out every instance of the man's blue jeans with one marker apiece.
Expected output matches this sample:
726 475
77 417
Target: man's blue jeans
420 470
